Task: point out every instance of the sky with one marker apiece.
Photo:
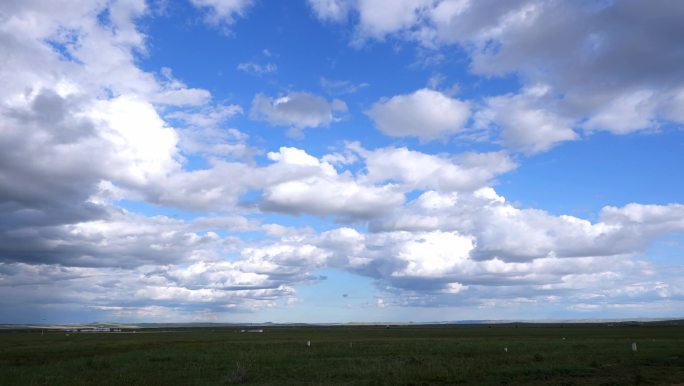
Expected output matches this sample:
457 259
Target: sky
341 160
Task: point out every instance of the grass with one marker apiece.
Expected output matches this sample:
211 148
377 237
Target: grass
403 355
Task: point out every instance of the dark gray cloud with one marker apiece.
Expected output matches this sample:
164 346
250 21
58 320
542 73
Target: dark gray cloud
589 55
50 163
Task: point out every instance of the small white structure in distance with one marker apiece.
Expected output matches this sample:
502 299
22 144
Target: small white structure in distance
505 349
308 343
260 330
634 346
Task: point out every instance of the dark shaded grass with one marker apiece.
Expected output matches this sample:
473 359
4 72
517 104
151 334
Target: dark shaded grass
407 355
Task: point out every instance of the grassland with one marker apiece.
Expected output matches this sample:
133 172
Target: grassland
577 354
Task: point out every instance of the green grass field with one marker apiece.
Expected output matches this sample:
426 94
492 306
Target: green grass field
401 355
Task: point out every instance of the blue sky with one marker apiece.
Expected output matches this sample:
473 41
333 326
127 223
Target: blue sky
341 160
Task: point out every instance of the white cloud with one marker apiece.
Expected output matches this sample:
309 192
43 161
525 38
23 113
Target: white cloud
478 249
433 253
191 97
602 71
295 182
415 170
63 44
214 142
75 100
340 87
200 291
505 232
426 114
215 188
526 121
93 123
176 93
223 11
82 144
141 140
424 267
298 109
657 217
205 133
378 18
628 113
208 117
322 196
322 191
332 10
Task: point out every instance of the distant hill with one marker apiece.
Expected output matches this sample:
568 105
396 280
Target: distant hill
650 321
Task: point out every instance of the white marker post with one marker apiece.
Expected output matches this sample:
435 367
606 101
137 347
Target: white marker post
505 349
308 343
634 346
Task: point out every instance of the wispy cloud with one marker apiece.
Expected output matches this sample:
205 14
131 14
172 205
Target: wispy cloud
256 68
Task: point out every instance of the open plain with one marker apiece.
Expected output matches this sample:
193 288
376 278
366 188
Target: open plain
498 354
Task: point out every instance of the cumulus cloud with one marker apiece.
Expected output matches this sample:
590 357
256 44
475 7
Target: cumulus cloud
298 109
198 292
119 239
628 113
420 171
324 191
89 120
526 121
426 114
322 196
82 143
609 66
82 126
478 249
378 18
143 141
505 232
433 254
296 182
